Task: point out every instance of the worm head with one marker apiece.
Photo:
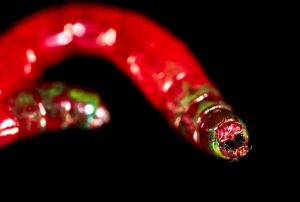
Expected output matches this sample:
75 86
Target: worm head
225 134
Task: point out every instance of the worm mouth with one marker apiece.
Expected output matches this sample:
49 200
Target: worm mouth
232 136
225 134
235 147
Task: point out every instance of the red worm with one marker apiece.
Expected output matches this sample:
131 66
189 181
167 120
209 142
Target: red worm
161 66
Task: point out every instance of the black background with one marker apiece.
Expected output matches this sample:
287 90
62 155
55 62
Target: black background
138 146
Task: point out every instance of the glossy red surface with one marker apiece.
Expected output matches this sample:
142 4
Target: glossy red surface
150 55
161 65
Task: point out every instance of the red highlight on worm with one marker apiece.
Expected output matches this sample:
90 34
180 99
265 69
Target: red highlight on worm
161 66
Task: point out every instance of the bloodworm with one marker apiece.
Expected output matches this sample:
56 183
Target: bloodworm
161 66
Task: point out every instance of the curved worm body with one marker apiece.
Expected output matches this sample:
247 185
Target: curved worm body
160 65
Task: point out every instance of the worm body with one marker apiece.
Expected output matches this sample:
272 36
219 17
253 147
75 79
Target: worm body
161 66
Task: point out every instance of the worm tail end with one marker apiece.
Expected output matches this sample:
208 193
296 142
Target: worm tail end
48 107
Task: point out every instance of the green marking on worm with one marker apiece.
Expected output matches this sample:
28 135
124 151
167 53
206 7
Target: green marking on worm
202 107
194 95
213 145
87 98
55 90
25 98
